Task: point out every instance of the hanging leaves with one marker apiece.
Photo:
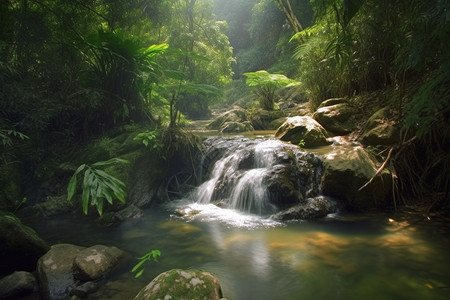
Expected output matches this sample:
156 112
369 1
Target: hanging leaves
97 185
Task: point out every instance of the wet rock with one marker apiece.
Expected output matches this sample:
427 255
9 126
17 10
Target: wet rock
346 169
379 130
83 290
296 129
182 284
115 218
55 274
20 246
96 262
314 208
18 284
336 116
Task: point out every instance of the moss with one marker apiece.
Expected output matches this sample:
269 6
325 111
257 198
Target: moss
179 284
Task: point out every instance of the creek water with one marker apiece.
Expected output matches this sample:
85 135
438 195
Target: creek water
341 256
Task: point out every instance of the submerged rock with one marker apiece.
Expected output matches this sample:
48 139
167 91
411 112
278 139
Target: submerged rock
182 284
346 170
18 284
20 246
314 208
305 129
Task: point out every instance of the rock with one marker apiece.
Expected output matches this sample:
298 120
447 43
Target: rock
96 262
234 127
276 123
383 134
146 176
18 284
182 284
236 115
115 218
332 101
379 130
346 170
52 206
296 129
83 290
337 118
55 271
314 208
262 118
20 246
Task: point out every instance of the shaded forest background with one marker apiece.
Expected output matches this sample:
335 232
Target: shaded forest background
72 71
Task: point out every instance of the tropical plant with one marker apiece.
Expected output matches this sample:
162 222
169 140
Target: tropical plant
265 84
97 185
148 257
150 139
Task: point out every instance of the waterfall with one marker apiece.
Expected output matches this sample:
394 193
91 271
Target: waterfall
256 176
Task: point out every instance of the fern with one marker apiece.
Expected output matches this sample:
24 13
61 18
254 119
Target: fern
97 185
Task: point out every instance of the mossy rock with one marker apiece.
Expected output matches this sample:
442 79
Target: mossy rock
380 130
236 115
182 285
20 246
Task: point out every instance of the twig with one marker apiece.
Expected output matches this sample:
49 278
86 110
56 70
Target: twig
379 170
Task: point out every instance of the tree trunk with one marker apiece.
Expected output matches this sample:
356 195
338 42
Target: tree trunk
293 21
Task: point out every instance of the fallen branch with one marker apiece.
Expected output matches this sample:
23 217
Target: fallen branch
379 170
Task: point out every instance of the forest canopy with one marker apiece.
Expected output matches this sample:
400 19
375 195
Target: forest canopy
74 70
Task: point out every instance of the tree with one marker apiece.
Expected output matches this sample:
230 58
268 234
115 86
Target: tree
286 7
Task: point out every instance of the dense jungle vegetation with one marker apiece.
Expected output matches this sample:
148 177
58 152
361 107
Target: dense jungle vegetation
72 71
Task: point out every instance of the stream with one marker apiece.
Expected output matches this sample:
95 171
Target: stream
341 256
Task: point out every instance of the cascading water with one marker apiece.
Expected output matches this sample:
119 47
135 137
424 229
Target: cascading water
258 177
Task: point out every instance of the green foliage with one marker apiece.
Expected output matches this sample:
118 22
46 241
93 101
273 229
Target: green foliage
7 143
265 85
97 185
148 257
150 139
301 144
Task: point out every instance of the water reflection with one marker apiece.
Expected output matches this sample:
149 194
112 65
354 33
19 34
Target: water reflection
344 257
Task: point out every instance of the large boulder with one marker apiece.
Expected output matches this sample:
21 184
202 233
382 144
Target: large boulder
55 273
305 129
17 285
182 285
379 130
96 262
336 116
346 170
20 246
